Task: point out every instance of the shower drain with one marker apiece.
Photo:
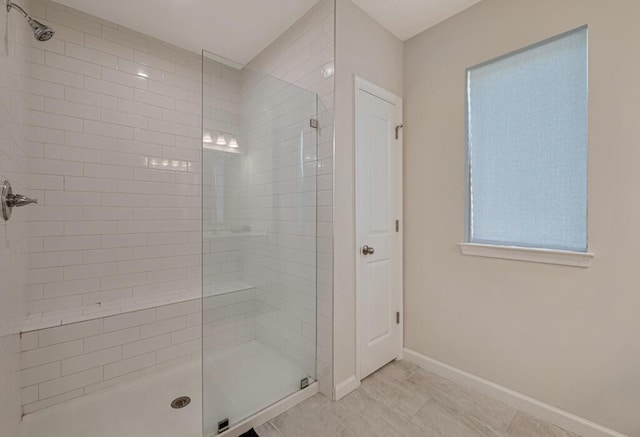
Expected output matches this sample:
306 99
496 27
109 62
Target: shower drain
181 402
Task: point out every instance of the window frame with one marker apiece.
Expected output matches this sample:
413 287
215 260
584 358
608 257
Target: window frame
512 252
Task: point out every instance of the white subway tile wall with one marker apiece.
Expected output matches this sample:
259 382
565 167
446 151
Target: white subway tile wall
76 359
281 203
15 102
223 176
70 361
114 152
304 56
268 214
115 159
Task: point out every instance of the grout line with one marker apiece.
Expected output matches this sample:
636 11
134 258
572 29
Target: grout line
516 410
412 373
461 414
390 409
385 407
275 427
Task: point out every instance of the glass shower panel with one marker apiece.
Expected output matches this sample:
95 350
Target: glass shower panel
259 242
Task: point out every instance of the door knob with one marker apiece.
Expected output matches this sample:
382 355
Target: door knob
367 250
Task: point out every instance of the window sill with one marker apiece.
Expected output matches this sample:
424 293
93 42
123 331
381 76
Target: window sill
546 256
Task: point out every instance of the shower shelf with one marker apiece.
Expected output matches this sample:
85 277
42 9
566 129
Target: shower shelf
225 288
51 319
221 235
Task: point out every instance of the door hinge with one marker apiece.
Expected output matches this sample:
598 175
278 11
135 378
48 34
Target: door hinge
397 225
314 123
304 383
397 317
223 425
398 127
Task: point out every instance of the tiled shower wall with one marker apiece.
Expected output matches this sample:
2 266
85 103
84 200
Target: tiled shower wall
281 158
304 56
260 204
66 362
14 59
115 153
262 190
115 157
224 176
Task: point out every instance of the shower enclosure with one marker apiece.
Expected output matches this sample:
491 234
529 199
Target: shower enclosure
259 166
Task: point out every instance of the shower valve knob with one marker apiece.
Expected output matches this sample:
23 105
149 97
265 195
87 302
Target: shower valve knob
10 200
19 200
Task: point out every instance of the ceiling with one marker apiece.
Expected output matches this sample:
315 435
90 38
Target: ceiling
235 29
407 18
240 29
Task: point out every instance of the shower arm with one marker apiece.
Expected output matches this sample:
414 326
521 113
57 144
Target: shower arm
10 5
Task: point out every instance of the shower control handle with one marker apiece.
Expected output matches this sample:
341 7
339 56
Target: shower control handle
19 200
10 200
368 250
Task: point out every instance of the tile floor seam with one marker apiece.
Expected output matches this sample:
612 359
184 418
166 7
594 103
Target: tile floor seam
461 414
372 396
340 432
493 428
515 412
385 407
275 427
402 414
412 373
344 426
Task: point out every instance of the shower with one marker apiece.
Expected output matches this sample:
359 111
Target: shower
41 32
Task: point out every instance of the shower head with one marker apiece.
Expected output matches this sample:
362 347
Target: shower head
41 32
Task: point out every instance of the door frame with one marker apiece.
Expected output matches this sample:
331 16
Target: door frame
361 84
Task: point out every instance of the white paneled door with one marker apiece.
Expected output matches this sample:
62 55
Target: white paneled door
378 226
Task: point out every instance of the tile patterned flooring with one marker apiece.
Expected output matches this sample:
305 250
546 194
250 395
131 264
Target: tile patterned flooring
403 400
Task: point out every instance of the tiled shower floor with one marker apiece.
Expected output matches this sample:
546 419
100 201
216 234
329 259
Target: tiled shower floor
246 377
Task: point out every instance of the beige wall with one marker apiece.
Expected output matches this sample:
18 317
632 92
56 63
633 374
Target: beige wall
366 49
565 336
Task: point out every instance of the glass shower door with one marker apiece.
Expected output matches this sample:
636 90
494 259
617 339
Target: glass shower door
259 242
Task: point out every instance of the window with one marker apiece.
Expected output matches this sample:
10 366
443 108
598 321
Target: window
527 147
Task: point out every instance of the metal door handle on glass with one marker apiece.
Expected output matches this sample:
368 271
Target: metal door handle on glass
10 200
367 250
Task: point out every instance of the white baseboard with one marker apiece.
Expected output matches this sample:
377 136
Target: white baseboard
345 387
551 414
272 411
